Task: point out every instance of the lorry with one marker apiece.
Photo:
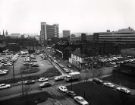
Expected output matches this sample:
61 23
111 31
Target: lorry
73 76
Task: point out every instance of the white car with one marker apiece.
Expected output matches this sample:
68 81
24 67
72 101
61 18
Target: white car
63 88
45 84
7 64
42 79
4 86
66 70
109 84
97 80
3 72
81 100
58 78
124 89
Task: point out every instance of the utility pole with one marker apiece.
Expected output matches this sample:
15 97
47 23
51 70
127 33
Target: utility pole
13 70
22 85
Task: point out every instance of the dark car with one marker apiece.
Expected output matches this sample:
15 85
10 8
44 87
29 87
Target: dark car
35 65
71 93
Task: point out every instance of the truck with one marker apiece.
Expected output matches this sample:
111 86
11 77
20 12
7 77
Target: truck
73 76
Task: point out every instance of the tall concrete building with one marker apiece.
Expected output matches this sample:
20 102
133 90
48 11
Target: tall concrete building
48 31
66 33
43 35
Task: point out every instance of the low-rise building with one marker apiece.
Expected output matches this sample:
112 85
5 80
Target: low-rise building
66 33
78 59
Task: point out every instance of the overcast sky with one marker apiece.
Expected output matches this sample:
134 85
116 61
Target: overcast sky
24 16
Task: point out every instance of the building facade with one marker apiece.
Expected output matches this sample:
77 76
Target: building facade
121 36
66 33
48 31
126 35
77 59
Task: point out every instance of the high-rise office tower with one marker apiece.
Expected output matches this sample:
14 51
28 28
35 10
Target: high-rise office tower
66 33
43 35
48 31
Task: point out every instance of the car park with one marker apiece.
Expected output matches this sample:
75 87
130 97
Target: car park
42 79
44 84
109 84
4 86
80 100
63 88
71 93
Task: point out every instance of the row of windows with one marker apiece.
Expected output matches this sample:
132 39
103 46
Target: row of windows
117 35
116 40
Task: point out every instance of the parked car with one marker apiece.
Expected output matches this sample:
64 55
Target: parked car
63 88
66 70
35 65
4 86
71 93
27 82
69 66
42 79
45 84
123 89
7 64
59 78
109 84
2 72
62 66
98 81
80 100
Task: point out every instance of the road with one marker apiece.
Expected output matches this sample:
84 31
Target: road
34 88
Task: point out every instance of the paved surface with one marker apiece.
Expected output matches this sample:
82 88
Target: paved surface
97 94
44 65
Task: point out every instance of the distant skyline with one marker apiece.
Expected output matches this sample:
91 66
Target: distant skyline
25 16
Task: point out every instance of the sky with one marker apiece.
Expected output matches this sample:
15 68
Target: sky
25 16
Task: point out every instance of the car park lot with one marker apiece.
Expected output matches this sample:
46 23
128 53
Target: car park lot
42 67
98 94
